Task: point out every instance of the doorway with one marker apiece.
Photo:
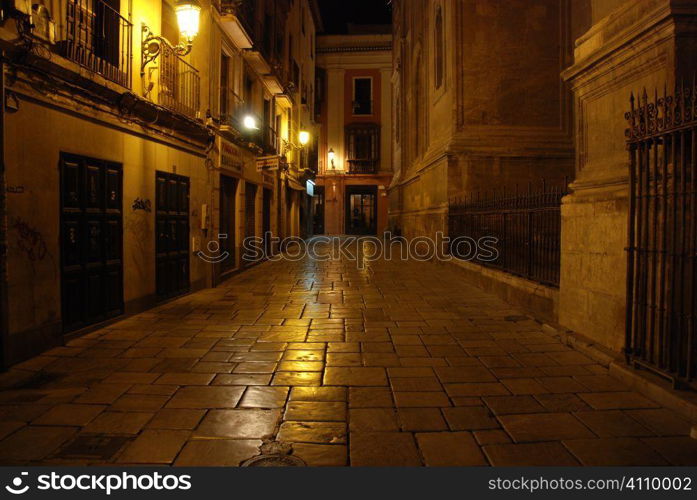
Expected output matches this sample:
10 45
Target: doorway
172 234
361 210
250 225
226 237
91 241
266 221
318 211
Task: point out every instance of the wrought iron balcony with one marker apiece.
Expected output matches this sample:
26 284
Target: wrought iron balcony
362 166
179 83
100 39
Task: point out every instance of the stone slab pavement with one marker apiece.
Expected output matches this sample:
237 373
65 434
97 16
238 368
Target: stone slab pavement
397 364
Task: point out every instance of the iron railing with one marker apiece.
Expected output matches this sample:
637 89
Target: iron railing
179 86
362 166
100 39
524 227
662 233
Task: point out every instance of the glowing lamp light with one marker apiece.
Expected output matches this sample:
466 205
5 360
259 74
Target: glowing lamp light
188 18
332 155
250 122
304 137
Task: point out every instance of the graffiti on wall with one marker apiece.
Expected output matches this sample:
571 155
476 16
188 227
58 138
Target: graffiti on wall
30 241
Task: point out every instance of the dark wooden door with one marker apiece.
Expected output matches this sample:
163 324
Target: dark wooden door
361 210
250 198
318 211
228 210
172 234
266 220
91 241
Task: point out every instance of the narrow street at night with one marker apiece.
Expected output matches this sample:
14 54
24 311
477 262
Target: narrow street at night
397 364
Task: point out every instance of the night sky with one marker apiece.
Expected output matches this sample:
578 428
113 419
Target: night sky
336 14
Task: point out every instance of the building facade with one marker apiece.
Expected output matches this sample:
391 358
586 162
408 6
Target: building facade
490 97
143 141
354 107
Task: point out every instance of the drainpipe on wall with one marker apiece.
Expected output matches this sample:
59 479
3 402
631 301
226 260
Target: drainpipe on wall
4 321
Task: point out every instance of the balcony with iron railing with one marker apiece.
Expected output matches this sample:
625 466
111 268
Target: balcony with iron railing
365 166
98 38
179 83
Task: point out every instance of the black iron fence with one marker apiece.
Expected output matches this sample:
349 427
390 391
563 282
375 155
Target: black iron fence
524 227
100 39
662 233
179 86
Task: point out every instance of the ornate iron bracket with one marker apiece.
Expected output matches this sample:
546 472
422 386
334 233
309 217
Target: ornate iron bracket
152 47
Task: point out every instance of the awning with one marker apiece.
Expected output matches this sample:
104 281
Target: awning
293 184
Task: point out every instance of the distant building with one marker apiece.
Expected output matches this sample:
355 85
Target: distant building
355 110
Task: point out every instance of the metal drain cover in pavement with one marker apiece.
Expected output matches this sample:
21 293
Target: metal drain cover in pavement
274 461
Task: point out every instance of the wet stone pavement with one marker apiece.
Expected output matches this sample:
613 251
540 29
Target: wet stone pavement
398 364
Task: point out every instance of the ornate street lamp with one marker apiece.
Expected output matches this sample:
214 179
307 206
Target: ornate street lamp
188 18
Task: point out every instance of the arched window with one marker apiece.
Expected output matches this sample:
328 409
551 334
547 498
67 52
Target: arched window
439 45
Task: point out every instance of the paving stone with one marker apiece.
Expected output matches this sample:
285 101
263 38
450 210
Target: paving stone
421 419
373 419
70 414
550 454
415 384
8 427
185 379
470 418
315 411
421 399
264 397
511 405
251 379
520 386
383 449
238 424
614 451
353 376
450 449
217 452
612 423
313 432
139 402
33 443
661 422
616 400
370 397
486 437
680 451
318 394
321 455
206 397
102 393
601 383
116 422
479 389
297 378
154 447
176 419
544 427
561 402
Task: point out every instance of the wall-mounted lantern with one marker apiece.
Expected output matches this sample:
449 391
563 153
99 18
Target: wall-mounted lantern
304 138
188 18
